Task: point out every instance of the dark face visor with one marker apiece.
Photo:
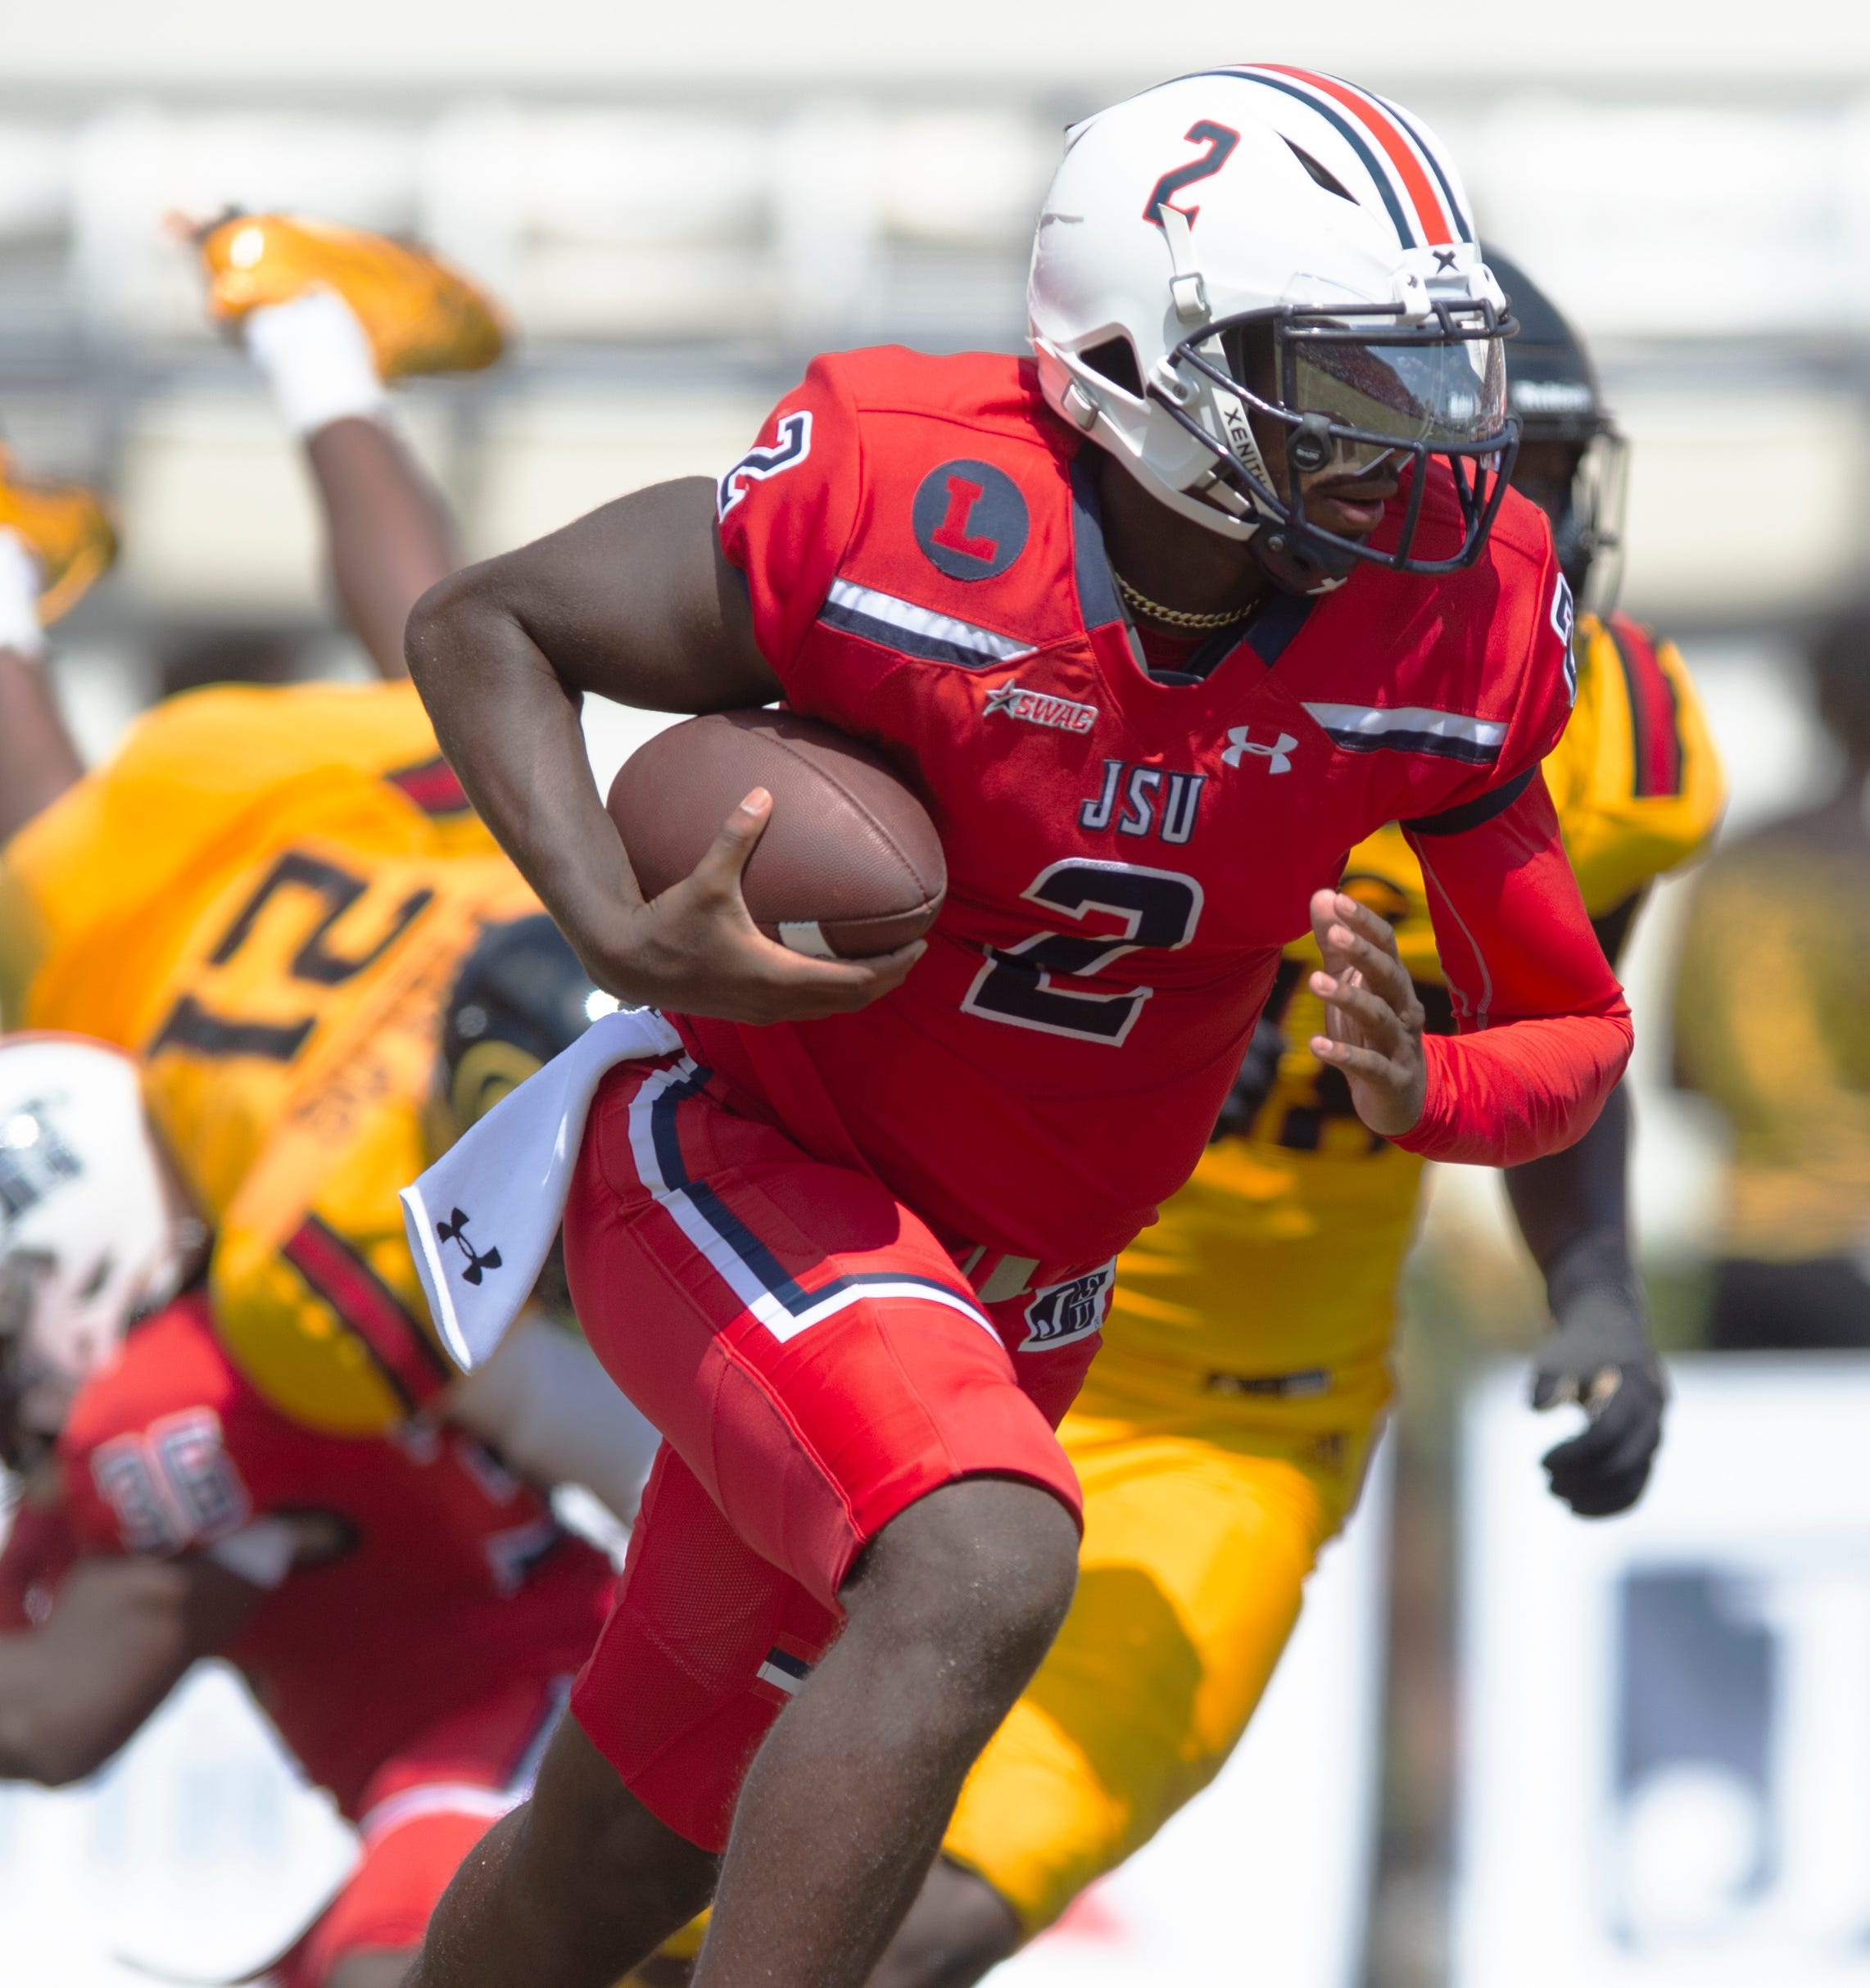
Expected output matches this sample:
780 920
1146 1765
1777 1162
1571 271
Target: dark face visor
1355 390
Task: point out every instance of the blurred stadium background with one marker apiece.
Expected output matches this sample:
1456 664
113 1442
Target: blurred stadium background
680 204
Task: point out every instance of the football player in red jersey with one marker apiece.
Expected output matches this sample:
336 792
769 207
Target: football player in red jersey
853 1262
407 1611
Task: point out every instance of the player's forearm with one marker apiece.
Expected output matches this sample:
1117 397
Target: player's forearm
1545 1028
41 1739
60 1717
1572 1206
121 1632
634 602
39 760
385 529
1522 1089
510 728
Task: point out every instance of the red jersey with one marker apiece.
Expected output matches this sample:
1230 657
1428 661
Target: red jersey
441 1577
920 542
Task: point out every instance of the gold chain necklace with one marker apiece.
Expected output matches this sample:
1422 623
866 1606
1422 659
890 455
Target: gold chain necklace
1177 618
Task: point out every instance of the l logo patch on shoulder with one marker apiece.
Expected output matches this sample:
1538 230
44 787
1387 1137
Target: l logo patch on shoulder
971 519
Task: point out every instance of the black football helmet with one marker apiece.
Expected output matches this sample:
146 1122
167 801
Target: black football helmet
519 998
1574 461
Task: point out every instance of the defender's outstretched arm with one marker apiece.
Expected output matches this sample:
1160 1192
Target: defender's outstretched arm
56 539
38 757
328 314
386 532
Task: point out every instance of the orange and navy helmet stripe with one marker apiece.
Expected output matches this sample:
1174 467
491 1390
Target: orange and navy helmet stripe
1459 219
1416 192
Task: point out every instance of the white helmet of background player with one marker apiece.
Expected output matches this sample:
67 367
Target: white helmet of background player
1266 240
91 1233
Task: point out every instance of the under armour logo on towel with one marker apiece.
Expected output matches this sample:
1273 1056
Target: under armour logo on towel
455 1230
1278 753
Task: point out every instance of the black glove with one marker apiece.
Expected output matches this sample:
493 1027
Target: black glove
1599 1354
1259 1071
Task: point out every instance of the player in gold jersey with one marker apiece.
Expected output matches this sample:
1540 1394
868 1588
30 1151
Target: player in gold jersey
1223 1432
279 902
266 895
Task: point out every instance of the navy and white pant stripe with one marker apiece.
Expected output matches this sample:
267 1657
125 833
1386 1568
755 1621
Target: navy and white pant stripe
783 1671
757 1278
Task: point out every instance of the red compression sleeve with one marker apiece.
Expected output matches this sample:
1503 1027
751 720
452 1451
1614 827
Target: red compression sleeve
1544 1029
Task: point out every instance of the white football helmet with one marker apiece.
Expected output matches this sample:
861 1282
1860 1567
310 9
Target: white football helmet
91 1232
1268 241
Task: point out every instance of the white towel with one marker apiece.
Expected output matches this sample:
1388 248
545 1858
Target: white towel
481 1219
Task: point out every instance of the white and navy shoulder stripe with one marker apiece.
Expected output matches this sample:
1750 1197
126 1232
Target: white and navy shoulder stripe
1411 728
914 630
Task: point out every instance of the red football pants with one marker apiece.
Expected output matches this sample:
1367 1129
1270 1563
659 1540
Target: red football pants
422 1812
817 1362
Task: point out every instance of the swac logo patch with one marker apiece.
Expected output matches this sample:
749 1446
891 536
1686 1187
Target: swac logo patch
1036 708
762 460
1062 1313
971 519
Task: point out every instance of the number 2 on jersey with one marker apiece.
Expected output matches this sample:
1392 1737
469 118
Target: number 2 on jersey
1158 908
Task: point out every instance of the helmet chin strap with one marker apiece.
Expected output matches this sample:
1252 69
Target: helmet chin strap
1297 568
1230 411
1292 564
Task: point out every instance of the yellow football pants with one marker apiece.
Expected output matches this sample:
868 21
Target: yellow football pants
1200 1528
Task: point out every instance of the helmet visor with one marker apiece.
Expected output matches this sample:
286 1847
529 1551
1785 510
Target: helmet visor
1349 390
1445 394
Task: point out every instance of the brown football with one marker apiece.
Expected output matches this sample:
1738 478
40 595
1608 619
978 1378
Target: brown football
851 863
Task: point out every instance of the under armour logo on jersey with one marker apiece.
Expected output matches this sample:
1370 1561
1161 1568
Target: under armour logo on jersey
455 1230
1278 753
765 458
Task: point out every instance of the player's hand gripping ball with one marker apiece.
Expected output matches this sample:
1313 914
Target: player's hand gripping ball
797 834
